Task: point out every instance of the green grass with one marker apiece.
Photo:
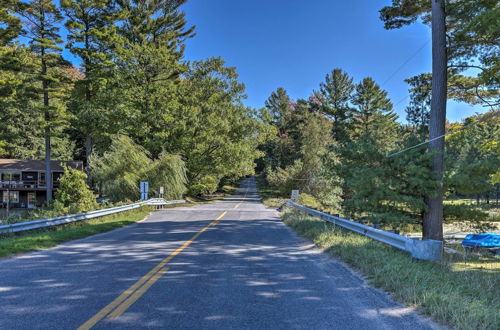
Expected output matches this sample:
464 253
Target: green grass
47 238
460 291
269 195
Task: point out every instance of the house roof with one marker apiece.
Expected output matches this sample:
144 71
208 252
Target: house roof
37 165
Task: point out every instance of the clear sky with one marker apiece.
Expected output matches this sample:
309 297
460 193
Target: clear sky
294 43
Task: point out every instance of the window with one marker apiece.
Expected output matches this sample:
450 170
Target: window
14 196
10 176
41 178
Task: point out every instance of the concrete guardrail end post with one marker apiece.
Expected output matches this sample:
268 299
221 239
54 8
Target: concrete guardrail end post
427 249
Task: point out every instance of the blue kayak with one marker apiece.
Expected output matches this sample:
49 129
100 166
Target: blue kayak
486 240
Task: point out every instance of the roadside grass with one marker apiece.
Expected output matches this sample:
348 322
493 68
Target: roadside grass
268 194
460 291
12 244
46 238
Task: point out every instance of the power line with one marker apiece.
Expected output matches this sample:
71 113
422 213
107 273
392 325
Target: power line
403 99
405 62
449 133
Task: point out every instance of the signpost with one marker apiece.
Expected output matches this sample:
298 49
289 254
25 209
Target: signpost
161 191
295 195
144 185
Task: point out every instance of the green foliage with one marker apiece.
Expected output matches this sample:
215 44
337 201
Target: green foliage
118 171
206 186
215 134
186 119
473 156
418 111
453 213
333 100
10 25
373 116
282 148
381 189
285 179
168 171
74 193
472 43
309 201
90 37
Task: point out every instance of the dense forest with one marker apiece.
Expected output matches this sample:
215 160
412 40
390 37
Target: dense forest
135 109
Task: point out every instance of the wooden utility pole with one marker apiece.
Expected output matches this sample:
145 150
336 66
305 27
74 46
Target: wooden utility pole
433 219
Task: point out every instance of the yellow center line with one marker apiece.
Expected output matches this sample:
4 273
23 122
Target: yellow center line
133 293
118 306
133 298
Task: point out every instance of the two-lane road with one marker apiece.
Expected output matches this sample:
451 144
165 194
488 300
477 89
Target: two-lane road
227 265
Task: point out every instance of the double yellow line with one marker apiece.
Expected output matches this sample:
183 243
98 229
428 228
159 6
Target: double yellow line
129 296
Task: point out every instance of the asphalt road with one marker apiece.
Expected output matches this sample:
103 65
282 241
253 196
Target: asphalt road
227 265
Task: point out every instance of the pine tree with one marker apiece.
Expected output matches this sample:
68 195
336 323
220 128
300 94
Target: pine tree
287 116
418 111
333 100
279 106
90 31
158 22
10 25
373 116
42 29
149 68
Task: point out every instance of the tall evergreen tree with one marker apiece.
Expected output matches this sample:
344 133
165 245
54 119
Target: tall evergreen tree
333 100
149 67
158 22
90 32
373 115
279 106
42 29
283 149
464 36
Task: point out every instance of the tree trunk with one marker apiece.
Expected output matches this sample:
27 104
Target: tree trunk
88 152
48 169
433 220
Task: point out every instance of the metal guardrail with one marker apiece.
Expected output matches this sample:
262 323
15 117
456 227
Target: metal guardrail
43 223
419 249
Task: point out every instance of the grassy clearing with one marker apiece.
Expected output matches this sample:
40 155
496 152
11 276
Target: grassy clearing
47 238
461 291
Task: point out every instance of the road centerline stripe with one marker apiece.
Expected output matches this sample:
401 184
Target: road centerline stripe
129 296
136 295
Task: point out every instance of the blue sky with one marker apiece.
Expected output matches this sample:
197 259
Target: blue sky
294 43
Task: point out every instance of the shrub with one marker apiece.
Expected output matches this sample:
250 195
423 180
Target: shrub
205 186
74 193
285 179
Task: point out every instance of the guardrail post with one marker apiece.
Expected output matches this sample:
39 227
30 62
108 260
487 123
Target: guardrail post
427 249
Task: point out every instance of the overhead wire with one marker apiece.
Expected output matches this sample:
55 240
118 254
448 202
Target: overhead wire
405 62
497 112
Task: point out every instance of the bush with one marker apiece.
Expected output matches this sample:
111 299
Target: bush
73 193
205 186
285 179
309 201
